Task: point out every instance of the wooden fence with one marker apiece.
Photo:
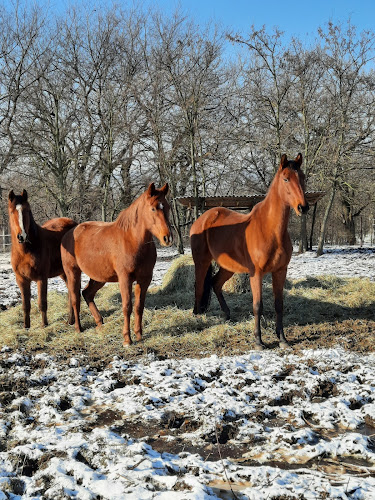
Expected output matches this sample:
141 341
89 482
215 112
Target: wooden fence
4 240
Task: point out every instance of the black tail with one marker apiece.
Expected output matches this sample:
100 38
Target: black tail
207 289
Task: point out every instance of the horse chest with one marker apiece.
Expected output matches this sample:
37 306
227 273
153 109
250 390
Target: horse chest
27 266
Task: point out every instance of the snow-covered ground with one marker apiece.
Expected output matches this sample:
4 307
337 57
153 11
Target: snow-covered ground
264 425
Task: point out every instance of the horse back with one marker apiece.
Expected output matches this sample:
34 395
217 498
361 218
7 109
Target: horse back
59 225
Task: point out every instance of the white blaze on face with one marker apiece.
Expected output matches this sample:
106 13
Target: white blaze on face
20 221
161 206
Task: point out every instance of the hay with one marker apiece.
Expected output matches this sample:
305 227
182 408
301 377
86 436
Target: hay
180 276
318 312
239 283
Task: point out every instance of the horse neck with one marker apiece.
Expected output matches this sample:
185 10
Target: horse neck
131 221
274 210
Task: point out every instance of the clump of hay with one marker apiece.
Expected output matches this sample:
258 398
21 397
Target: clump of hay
238 283
180 276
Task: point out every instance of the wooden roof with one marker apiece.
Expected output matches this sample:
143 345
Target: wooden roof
238 202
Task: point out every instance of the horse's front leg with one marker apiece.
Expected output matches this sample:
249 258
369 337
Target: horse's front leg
24 286
278 281
42 299
126 296
256 288
140 291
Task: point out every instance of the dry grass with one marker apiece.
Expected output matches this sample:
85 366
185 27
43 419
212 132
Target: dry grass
319 312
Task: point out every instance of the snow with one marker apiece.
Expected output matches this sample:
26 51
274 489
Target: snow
267 424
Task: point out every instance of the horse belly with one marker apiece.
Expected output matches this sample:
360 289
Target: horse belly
99 269
231 263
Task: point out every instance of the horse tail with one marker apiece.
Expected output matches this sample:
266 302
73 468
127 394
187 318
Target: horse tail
207 290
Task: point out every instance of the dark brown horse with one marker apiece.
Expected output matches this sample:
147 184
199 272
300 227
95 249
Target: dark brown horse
122 251
257 243
35 254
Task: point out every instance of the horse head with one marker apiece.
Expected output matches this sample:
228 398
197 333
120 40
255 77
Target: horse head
292 184
157 208
19 215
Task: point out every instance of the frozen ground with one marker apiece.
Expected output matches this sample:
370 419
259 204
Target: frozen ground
259 426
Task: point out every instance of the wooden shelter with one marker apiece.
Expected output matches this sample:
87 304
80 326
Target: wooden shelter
237 202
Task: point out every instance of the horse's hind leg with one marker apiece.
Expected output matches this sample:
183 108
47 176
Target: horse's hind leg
24 286
73 275
278 281
42 299
203 285
70 308
218 281
88 294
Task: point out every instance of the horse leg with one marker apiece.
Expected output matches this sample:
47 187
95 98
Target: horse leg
256 288
203 284
42 299
24 286
126 296
88 294
140 291
74 287
70 308
218 281
278 280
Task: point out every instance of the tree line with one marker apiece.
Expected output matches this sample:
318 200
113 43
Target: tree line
95 105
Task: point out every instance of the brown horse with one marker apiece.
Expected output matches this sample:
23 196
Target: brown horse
257 243
35 254
122 251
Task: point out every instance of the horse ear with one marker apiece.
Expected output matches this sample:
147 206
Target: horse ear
24 194
165 189
151 191
283 161
11 195
298 159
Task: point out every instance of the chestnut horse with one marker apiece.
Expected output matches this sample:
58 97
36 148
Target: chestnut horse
257 243
35 254
122 251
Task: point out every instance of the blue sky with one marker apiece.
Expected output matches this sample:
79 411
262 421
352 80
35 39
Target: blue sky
301 18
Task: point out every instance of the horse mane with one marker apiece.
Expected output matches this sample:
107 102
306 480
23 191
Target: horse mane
128 217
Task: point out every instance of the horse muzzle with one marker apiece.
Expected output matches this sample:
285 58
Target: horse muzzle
167 240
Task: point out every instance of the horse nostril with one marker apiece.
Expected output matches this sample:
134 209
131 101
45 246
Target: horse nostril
20 238
168 239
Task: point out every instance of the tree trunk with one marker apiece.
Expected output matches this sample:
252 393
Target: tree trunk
303 235
319 250
312 226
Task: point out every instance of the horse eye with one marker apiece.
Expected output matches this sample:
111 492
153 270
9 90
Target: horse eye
286 179
153 209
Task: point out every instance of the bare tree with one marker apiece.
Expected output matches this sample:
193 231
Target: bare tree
346 56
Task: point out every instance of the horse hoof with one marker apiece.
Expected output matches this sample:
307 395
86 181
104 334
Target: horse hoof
283 345
127 341
259 347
